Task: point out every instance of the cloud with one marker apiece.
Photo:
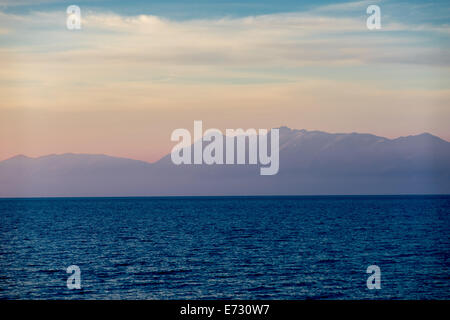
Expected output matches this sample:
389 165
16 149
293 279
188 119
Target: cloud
18 3
141 50
347 6
277 40
120 53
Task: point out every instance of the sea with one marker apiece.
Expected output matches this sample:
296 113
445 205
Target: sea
305 247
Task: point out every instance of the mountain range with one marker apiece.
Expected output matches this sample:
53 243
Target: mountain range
311 163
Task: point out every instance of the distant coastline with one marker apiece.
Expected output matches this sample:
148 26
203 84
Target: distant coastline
311 163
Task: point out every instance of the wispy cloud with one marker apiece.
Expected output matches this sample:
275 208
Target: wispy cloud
293 39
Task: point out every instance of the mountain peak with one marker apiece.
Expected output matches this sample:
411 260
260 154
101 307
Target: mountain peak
425 136
285 129
18 157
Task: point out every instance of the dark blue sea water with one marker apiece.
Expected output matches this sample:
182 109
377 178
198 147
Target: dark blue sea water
226 248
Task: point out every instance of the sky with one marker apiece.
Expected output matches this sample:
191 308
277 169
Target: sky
137 70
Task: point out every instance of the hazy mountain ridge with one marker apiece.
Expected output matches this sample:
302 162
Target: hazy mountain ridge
311 162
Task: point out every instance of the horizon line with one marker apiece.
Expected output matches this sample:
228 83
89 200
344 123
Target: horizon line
234 196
